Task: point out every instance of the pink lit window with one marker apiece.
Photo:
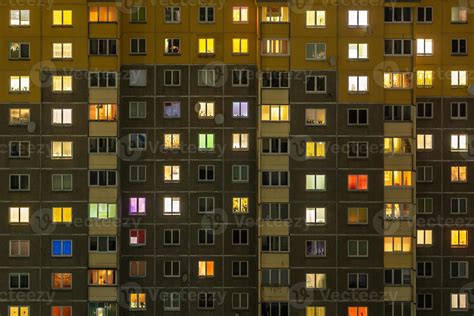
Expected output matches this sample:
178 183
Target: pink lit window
137 206
357 182
137 237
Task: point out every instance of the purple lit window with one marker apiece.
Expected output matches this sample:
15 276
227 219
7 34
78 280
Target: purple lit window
240 109
137 206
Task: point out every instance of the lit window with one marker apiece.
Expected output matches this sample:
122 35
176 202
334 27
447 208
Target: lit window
102 14
62 214
172 46
397 178
358 84
315 18
19 116
424 237
61 311
240 46
240 141
19 83
459 142
19 50
315 149
206 46
459 15
61 248
358 311
315 51
458 174
397 211
137 301
171 173
275 112
315 117
315 311
315 280
62 83
424 78
206 142
357 182
171 206
240 14
102 210
357 215
19 17
240 109
315 215
172 141
102 277
62 17
137 237
458 238
240 205
102 112
275 14
424 46
358 51
316 182
397 80
424 141
395 145
61 150
205 109
397 244
19 215
61 281
137 206
275 47
458 78
61 117
206 268
459 301
358 18
18 311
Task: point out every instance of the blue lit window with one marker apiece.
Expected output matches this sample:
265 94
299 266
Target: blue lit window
61 248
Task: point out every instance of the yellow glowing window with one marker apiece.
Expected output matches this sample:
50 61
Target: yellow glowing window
396 211
397 244
275 46
62 50
171 173
315 18
102 14
393 80
275 14
19 83
137 300
206 268
424 78
240 205
357 311
240 141
62 83
61 150
424 141
206 109
240 46
458 78
206 46
19 311
315 311
62 17
102 277
315 149
459 238
357 215
172 141
397 178
240 14
62 214
397 145
274 112
458 173
424 237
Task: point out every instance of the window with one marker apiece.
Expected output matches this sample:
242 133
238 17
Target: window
275 277
357 150
206 46
108 309
424 110
19 50
19 149
61 117
102 14
206 205
61 150
315 311
458 78
19 182
206 269
102 79
206 173
459 269
357 182
315 18
397 244
358 18
358 84
172 46
274 178
275 308
102 210
397 15
316 182
171 301
315 280
240 109
459 238
240 237
275 112
102 178
137 141
19 17
357 215
19 248
458 15
459 46
137 109
102 277
172 14
171 206
275 46
397 211
19 215
240 77
206 14
18 310
424 47
358 51
137 14
357 117
172 141
137 237
171 269
137 206
61 310
240 269
240 14
172 237
275 243
315 84
458 205
206 142
172 77
172 110
458 174
315 117
397 47
102 145
275 211
19 116
205 300
62 84
206 77
424 301
358 248
397 277
62 214
240 46
137 46
19 83
102 46
458 110
424 142
275 79
61 182
397 178
240 301
62 17
424 78
315 149
424 269
171 173
424 205
275 14
138 78
61 248
315 248
61 281
137 301
459 142
397 80
459 301
102 112
425 15
137 173
424 237
357 281
240 205
315 215
315 51
240 142
103 244
240 173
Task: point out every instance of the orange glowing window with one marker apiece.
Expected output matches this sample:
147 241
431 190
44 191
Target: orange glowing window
102 14
102 112
358 311
206 268
62 281
357 182
137 301
61 311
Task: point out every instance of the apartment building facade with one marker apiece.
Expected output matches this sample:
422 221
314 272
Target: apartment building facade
236 158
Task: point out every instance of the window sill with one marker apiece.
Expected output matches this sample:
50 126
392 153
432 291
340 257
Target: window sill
138 54
137 22
172 54
206 55
19 59
61 59
19 92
